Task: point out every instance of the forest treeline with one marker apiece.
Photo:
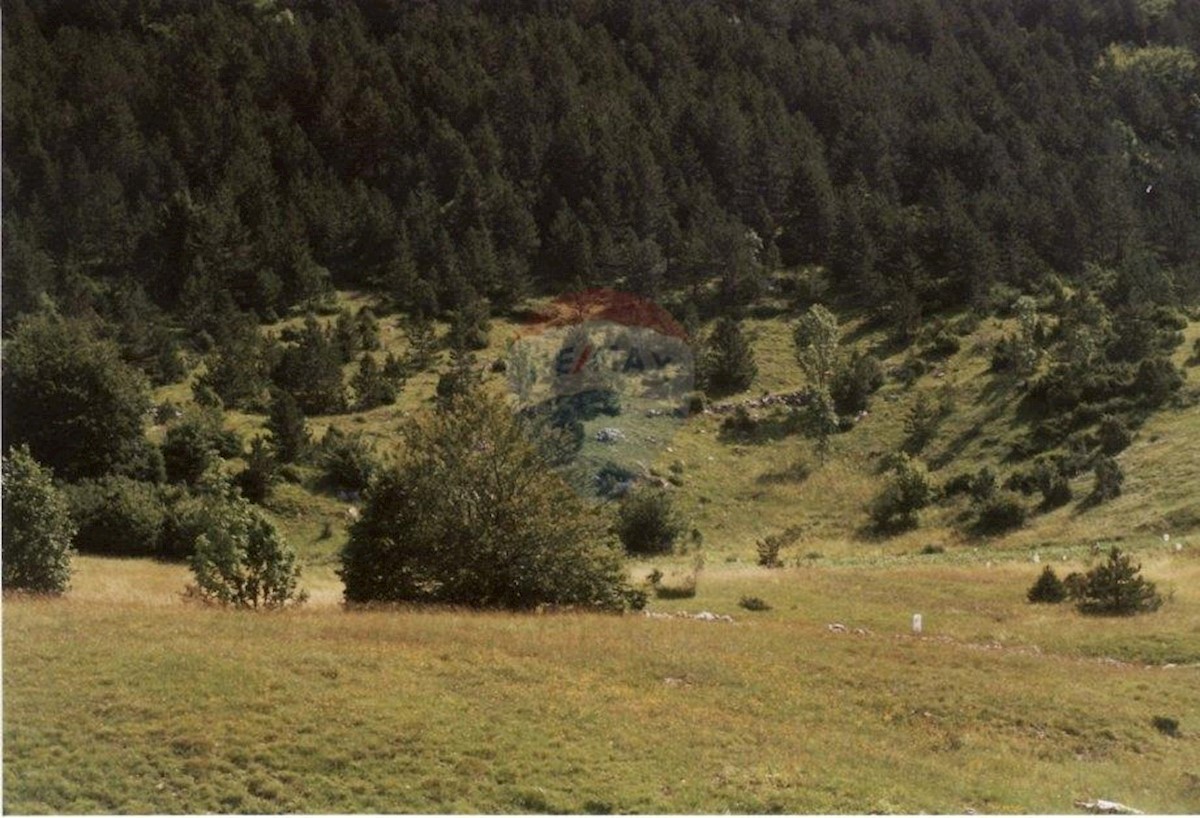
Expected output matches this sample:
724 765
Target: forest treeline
169 163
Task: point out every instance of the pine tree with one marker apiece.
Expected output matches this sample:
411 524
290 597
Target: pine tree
1116 587
289 432
728 363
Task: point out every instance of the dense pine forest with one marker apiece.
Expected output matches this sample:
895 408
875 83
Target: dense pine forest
174 163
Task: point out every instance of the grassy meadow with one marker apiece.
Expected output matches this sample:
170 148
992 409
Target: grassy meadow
123 697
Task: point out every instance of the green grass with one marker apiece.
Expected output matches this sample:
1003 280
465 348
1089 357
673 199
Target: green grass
122 697
128 701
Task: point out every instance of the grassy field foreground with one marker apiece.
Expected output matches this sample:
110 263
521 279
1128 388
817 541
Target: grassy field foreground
119 698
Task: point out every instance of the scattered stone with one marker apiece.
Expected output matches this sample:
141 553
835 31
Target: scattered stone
1100 806
836 627
609 435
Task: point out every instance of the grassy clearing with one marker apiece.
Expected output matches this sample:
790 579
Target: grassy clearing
122 698
116 702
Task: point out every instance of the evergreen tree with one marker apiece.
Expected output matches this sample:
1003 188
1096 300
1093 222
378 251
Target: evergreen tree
286 423
1116 587
727 365
311 370
371 386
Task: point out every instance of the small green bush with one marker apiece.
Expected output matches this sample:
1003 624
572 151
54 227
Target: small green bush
648 522
769 547
37 527
1166 725
240 560
684 589
1116 588
117 516
753 603
348 461
1114 436
1109 478
1001 512
906 493
854 383
1048 588
195 443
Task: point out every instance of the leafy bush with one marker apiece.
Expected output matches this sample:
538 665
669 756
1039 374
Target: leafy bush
1166 725
855 382
117 516
1048 588
1114 436
37 527
769 547
348 461
262 471
71 398
239 559
753 603
906 493
1075 584
1156 380
1109 478
473 516
740 424
648 522
1001 512
612 479
684 589
1053 485
1116 588
195 443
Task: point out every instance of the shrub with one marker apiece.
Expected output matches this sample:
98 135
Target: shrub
1001 512
1109 478
473 516
117 516
1156 380
854 383
349 461
1116 588
769 547
1166 725
195 443
262 471
983 485
684 589
753 603
920 424
1053 485
1114 436
37 527
647 521
740 424
1048 588
239 559
1075 584
68 395
905 494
